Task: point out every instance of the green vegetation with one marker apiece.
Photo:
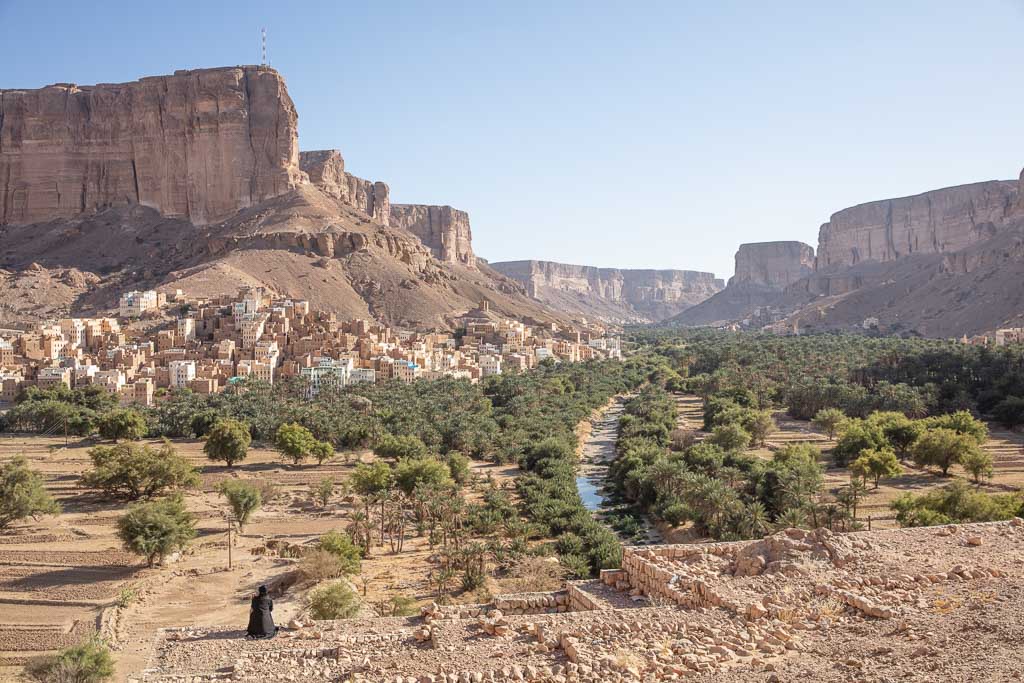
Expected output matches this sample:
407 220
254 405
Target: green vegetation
955 503
125 424
22 494
87 662
157 528
243 498
341 546
134 471
333 601
227 441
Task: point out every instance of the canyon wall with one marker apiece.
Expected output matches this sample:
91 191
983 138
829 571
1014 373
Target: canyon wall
940 221
773 265
198 145
326 170
444 230
650 294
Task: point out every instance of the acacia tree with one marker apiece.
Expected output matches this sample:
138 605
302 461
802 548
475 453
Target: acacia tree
157 528
22 493
294 441
124 424
876 463
243 499
134 471
978 464
228 441
828 420
943 448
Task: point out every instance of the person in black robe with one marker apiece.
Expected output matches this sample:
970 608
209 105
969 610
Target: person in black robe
261 617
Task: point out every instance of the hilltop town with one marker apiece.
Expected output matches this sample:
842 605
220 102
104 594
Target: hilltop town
157 343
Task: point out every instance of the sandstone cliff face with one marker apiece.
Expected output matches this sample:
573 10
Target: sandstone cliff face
774 265
443 229
940 221
198 145
326 170
647 294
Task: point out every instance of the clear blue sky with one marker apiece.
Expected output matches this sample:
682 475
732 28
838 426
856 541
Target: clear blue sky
657 134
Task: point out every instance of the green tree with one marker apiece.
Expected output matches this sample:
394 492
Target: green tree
954 503
323 490
458 467
961 422
857 436
124 424
828 420
136 471
341 546
294 441
943 448
157 528
1010 411
876 463
227 441
243 498
87 662
333 601
978 464
730 437
397 447
22 493
760 424
428 471
322 451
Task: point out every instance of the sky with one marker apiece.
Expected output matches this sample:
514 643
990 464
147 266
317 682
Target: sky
613 134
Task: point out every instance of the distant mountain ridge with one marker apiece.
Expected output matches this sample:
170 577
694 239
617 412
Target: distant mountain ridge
616 294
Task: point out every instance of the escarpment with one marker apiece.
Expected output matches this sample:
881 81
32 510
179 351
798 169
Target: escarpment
444 230
198 145
774 265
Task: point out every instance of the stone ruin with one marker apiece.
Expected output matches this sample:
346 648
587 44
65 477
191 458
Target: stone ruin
672 612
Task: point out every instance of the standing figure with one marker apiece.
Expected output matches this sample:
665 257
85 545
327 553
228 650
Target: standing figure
261 617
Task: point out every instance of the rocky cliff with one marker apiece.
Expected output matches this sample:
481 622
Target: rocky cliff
774 265
611 293
326 170
940 221
444 230
198 145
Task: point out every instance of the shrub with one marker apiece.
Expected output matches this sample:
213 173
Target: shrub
1010 411
294 441
228 441
955 503
322 451
157 528
243 498
397 447
334 601
730 437
323 490
320 565
134 471
22 493
681 439
341 546
978 464
576 566
458 467
87 662
857 436
427 471
124 424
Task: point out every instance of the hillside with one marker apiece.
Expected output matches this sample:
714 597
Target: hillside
943 263
195 181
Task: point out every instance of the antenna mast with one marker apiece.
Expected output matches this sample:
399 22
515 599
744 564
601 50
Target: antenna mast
263 45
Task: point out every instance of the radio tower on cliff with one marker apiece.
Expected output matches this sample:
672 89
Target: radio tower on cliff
263 47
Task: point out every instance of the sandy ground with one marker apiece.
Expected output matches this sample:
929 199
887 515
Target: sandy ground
62 577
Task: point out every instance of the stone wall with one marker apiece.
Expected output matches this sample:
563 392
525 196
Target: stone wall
198 145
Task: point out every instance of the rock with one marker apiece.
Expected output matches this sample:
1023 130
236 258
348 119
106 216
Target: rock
974 540
649 294
326 170
772 265
444 230
199 145
940 221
